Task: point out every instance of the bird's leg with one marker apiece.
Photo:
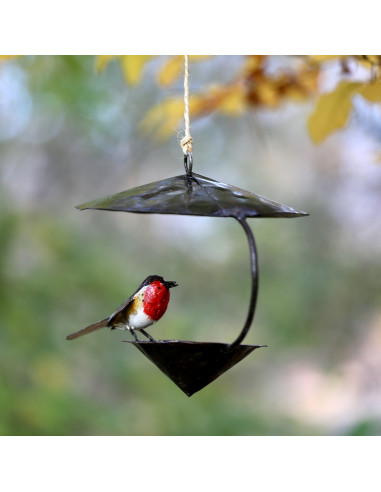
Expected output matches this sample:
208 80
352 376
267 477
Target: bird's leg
148 336
134 335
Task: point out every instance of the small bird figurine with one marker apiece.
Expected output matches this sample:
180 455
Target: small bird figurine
146 306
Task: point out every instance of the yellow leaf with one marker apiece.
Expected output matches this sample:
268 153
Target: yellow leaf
300 86
233 103
229 100
267 93
171 70
372 92
4 58
197 58
374 59
163 119
102 61
332 110
254 63
132 67
174 68
323 58
369 60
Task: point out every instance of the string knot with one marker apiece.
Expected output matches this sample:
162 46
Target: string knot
186 144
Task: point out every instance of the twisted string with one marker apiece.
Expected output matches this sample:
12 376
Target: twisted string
187 141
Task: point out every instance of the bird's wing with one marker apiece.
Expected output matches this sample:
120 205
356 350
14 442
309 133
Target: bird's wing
130 299
119 309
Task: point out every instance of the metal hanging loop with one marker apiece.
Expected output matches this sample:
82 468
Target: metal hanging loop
188 163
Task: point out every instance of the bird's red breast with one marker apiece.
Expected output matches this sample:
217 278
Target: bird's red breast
156 298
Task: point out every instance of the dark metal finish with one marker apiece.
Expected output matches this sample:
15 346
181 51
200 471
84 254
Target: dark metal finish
188 163
193 365
192 195
254 284
147 335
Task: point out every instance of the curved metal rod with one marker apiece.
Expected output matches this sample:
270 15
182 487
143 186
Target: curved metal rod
254 284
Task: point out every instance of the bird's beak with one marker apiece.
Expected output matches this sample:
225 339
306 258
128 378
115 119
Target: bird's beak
170 283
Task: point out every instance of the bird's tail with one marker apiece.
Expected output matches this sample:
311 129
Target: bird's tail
88 329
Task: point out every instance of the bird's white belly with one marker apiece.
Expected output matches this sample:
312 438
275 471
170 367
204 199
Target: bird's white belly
139 320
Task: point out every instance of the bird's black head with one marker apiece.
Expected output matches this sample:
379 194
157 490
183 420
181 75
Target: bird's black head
153 278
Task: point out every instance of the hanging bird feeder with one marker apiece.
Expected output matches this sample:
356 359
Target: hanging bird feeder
193 365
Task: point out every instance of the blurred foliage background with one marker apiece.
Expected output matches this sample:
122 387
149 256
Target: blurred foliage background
69 134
